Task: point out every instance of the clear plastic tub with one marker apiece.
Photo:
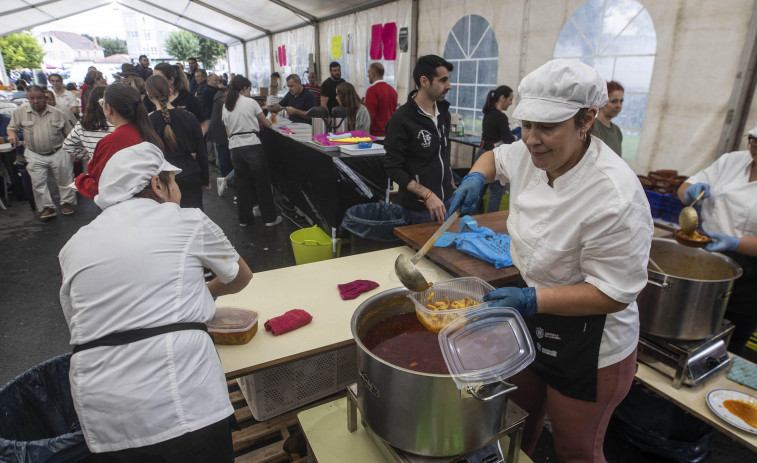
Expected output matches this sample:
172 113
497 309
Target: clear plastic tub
233 325
456 289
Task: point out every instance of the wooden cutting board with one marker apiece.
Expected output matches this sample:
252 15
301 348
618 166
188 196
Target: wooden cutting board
454 261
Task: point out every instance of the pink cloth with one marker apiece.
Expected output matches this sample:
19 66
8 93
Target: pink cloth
290 321
355 288
376 40
389 36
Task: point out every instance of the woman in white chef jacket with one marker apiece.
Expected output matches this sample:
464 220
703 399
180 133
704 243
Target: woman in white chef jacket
146 380
581 232
729 216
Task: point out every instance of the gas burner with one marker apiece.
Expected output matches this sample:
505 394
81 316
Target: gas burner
687 362
492 453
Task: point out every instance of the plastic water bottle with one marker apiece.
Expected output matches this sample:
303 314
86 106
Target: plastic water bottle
460 131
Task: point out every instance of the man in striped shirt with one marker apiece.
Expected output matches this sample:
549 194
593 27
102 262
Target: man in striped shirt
44 128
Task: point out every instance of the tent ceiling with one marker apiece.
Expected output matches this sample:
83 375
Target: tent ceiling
227 21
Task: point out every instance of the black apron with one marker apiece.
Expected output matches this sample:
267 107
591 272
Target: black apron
126 337
567 352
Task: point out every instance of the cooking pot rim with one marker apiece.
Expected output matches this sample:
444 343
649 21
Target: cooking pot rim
738 271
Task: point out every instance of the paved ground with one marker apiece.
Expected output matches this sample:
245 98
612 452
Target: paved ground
34 330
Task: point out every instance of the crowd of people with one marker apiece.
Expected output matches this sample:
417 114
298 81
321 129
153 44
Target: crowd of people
147 140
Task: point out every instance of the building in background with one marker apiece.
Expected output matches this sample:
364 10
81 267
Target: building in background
146 36
63 49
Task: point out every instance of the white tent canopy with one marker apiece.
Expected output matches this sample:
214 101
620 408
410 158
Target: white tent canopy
699 95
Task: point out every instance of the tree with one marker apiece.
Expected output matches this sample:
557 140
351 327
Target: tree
182 45
210 51
21 50
110 46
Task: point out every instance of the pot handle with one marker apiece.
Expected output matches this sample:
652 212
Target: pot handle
664 284
476 391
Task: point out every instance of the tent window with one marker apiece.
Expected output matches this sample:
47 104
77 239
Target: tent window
617 38
472 48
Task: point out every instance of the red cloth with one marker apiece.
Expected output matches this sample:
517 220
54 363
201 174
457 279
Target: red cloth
355 288
381 102
123 137
291 320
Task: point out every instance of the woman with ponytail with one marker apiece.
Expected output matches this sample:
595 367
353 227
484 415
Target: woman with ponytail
123 108
180 96
495 131
243 117
183 142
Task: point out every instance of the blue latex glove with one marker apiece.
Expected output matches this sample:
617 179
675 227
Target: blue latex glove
521 299
693 191
721 242
467 193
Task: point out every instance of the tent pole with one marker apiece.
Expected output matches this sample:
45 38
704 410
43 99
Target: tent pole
270 49
317 58
741 96
413 42
246 62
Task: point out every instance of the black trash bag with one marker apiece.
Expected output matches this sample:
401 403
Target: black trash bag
38 423
374 221
654 425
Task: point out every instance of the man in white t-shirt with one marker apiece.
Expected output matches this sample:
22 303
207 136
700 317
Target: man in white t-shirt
64 98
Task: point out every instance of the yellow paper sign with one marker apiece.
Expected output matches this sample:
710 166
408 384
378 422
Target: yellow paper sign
336 46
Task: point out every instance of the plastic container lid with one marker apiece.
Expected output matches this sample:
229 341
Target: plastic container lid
232 320
486 345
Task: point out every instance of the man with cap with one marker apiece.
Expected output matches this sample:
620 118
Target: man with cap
580 231
729 217
417 144
146 382
45 128
143 68
128 71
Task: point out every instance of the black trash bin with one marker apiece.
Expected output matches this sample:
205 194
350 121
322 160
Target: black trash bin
654 425
371 226
38 423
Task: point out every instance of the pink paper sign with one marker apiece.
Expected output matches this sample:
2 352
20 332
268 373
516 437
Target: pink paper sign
389 38
376 41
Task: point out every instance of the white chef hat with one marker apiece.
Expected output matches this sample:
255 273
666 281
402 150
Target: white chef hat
753 132
129 171
556 91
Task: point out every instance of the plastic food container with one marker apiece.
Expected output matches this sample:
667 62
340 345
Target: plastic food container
233 325
456 289
365 145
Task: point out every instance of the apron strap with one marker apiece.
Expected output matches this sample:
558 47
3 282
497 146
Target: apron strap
126 337
243 133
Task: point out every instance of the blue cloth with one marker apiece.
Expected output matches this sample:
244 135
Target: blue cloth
479 242
743 372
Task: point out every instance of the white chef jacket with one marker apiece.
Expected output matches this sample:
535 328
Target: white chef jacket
139 264
732 205
593 226
243 119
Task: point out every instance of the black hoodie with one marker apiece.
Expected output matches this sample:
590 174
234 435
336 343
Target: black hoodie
417 150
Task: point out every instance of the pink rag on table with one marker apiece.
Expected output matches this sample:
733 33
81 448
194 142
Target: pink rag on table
290 321
355 288
389 36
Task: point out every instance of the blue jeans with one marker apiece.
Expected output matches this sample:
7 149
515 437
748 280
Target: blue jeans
413 217
496 190
223 158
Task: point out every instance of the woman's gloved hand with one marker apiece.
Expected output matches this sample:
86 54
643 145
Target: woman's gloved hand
521 299
721 242
467 193
693 191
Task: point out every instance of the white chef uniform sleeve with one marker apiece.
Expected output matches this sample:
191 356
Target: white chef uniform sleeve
711 174
506 162
615 251
215 251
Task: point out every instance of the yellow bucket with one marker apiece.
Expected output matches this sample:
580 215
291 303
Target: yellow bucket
312 245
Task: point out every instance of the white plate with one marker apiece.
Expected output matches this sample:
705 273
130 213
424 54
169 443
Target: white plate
715 401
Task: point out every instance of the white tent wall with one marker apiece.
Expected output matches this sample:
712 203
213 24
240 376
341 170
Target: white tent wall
699 45
259 62
358 27
299 43
235 55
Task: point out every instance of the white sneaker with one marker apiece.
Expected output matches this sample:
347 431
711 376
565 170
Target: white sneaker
256 211
221 185
275 222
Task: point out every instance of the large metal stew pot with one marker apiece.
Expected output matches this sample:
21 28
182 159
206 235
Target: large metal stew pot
420 413
688 302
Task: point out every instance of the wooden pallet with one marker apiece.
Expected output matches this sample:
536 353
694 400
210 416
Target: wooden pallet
263 442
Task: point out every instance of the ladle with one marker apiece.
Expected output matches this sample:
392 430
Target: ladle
688 218
657 268
405 268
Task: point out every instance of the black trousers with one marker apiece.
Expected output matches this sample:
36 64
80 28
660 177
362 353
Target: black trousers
210 444
191 190
253 183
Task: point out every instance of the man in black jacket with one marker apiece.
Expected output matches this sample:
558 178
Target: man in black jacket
417 144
